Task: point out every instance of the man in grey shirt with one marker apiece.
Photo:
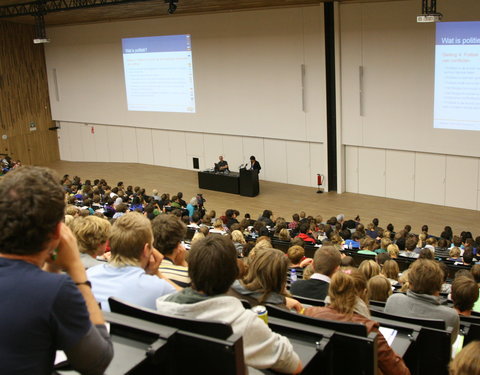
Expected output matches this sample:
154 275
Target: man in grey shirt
422 299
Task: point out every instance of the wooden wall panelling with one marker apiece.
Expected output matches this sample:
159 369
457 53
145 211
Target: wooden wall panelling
24 97
18 149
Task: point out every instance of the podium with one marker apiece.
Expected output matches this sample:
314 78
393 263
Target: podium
249 186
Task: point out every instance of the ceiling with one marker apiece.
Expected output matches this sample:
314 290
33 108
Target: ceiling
155 8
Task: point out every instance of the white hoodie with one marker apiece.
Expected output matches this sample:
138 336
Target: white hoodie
262 348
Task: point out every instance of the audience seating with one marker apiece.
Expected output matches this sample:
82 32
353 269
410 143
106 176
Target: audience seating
281 245
432 350
309 301
154 348
347 337
380 304
358 258
345 327
470 327
190 234
209 328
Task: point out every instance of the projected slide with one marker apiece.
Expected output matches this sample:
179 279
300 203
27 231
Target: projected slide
159 73
457 76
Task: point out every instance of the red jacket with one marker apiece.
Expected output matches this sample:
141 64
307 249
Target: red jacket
306 238
389 362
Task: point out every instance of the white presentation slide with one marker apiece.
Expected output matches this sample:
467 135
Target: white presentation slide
159 73
457 76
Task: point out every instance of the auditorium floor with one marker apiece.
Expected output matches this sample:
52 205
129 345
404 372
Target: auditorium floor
282 199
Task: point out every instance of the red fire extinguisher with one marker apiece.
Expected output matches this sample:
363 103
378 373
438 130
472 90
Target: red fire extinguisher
320 179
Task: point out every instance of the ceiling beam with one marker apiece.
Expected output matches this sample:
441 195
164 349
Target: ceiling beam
48 6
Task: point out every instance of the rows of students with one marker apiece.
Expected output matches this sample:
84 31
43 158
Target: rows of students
264 279
148 265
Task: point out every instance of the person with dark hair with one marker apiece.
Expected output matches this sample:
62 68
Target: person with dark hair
231 217
425 254
410 246
381 258
468 256
175 203
213 268
326 261
137 204
304 234
195 221
350 225
422 299
266 217
44 311
345 234
180 200
168 234
254 164
442 248
293 225
475 270
464 294
447 233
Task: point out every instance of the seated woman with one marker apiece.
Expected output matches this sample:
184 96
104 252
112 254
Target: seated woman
266 281
284 235
391 271
280 224
367 246
218 227
238 241
454 254
393 251
369 268
344 292
379 288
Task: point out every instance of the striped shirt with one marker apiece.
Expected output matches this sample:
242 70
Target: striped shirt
177 274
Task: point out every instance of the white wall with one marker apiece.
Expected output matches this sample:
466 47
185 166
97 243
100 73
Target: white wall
291 162
248 85
415 176
390 146
247 71
397 57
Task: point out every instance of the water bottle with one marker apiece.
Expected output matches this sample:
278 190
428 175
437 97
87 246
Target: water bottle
293 275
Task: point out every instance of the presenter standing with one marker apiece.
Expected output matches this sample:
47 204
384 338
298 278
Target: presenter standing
254 164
